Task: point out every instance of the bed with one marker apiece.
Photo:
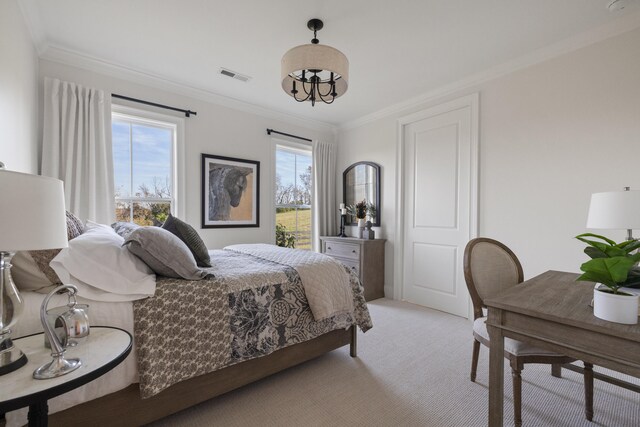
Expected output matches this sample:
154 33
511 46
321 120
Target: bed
260 310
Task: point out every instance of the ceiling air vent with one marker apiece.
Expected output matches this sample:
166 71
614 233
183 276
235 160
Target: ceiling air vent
233 74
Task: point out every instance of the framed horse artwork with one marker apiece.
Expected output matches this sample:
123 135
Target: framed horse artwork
230 192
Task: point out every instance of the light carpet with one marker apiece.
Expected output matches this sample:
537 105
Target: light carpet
412 369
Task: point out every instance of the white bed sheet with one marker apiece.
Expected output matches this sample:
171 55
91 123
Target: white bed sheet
117 314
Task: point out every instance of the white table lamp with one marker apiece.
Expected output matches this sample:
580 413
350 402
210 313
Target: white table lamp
615 210
32 217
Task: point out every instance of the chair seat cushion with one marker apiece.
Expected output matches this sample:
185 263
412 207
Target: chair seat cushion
511 346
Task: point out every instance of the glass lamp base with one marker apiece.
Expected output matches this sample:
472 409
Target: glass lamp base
11 359
57 367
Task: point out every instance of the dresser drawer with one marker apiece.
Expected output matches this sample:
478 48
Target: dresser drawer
351 265
343 250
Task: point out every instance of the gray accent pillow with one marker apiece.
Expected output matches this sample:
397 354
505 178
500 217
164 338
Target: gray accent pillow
190 237
164 253
75 227
124 229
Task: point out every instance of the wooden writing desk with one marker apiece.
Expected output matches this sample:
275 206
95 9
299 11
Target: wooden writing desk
552 311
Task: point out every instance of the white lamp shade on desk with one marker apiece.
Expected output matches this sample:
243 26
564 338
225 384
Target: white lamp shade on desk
615 210
32 212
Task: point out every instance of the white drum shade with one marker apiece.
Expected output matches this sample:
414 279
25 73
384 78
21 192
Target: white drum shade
315 57
32 212
615 210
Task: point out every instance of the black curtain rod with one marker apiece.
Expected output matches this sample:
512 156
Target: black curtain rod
270 131
187 113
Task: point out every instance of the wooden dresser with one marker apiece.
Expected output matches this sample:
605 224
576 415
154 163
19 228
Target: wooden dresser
364 257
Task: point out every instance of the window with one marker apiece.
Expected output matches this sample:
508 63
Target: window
293 195
144 162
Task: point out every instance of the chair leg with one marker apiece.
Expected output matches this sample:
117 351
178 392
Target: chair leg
517 395
556 370
474 359
588 391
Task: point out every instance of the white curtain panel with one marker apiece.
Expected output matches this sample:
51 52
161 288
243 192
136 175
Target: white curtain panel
324 191
76 148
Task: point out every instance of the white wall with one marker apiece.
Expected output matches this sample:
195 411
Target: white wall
18 91
215 130
550 135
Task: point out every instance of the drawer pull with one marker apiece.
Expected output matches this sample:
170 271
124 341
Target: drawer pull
328 248
353 251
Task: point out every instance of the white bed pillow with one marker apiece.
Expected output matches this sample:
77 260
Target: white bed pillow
102 268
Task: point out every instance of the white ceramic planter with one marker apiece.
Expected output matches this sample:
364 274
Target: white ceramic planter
615 308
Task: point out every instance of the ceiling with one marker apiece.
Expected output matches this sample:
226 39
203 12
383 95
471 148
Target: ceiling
397 49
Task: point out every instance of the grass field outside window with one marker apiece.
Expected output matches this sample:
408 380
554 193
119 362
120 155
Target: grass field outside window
298 222
293 193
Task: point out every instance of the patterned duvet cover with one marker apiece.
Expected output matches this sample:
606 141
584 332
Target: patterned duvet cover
253 307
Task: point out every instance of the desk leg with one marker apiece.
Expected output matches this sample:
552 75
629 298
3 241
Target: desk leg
496 369
39 414
588 391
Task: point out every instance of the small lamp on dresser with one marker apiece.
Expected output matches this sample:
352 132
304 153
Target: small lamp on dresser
32 217
615 210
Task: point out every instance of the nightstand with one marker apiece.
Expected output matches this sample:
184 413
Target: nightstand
100 352
363 257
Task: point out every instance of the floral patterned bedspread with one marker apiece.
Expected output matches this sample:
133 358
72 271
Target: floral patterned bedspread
251 308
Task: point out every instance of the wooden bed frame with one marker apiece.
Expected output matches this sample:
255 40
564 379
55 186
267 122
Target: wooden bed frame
126 408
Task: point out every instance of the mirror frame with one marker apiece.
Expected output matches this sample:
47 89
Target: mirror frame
376 167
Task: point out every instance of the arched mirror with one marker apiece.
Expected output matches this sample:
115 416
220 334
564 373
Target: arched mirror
361 181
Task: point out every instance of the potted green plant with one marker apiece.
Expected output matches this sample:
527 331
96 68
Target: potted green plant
612 266
361 210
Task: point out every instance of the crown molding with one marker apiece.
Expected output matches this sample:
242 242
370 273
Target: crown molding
29 10
77 59
54 53
621 25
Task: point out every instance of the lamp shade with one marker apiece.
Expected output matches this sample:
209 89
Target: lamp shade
32 212
615 210
315 57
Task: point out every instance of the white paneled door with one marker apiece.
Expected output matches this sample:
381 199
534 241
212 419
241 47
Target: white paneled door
439 182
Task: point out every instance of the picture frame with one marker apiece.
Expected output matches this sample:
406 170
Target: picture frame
230 192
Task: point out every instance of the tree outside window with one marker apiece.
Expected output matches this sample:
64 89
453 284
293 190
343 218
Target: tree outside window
143 153
293 196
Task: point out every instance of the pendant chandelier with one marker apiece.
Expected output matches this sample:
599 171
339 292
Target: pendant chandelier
315 72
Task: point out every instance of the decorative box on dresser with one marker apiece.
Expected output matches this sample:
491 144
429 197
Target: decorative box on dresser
364 257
